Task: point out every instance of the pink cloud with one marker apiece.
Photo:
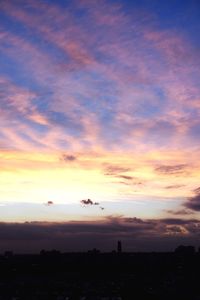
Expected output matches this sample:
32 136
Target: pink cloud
65 40
15 98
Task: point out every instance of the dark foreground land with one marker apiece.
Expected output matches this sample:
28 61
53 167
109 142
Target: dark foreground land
54 276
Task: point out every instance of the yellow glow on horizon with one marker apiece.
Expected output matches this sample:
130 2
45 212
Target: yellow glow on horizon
40 177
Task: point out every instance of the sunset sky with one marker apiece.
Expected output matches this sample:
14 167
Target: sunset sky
99 100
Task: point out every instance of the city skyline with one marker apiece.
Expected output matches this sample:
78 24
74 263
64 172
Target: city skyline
100 127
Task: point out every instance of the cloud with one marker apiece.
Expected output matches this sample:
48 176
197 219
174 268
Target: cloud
172 170
15 98
179 212
125 177
130 183
136 234
178 221
115 170
136 220
193 203
68 157
174 186
38 118
88 202
175 230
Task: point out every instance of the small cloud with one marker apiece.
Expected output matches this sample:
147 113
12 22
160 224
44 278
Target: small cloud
174 186
88 202
67 157
131 183
171 170
102 208
115 170
125 177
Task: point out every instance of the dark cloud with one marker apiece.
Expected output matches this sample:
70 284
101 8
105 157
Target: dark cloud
180 212
174 186
177 221
171 170
193 203
115 170
125 177
194 228
136 234
88 202
67 157
137 221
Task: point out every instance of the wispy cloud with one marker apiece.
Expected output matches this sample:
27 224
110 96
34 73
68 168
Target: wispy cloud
116 170
171 170
174 186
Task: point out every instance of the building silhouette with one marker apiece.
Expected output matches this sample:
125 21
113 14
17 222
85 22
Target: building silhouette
119 247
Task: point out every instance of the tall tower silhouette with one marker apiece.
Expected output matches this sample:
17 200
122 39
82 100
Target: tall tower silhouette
119 246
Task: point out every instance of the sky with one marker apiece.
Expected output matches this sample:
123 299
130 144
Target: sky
100 124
